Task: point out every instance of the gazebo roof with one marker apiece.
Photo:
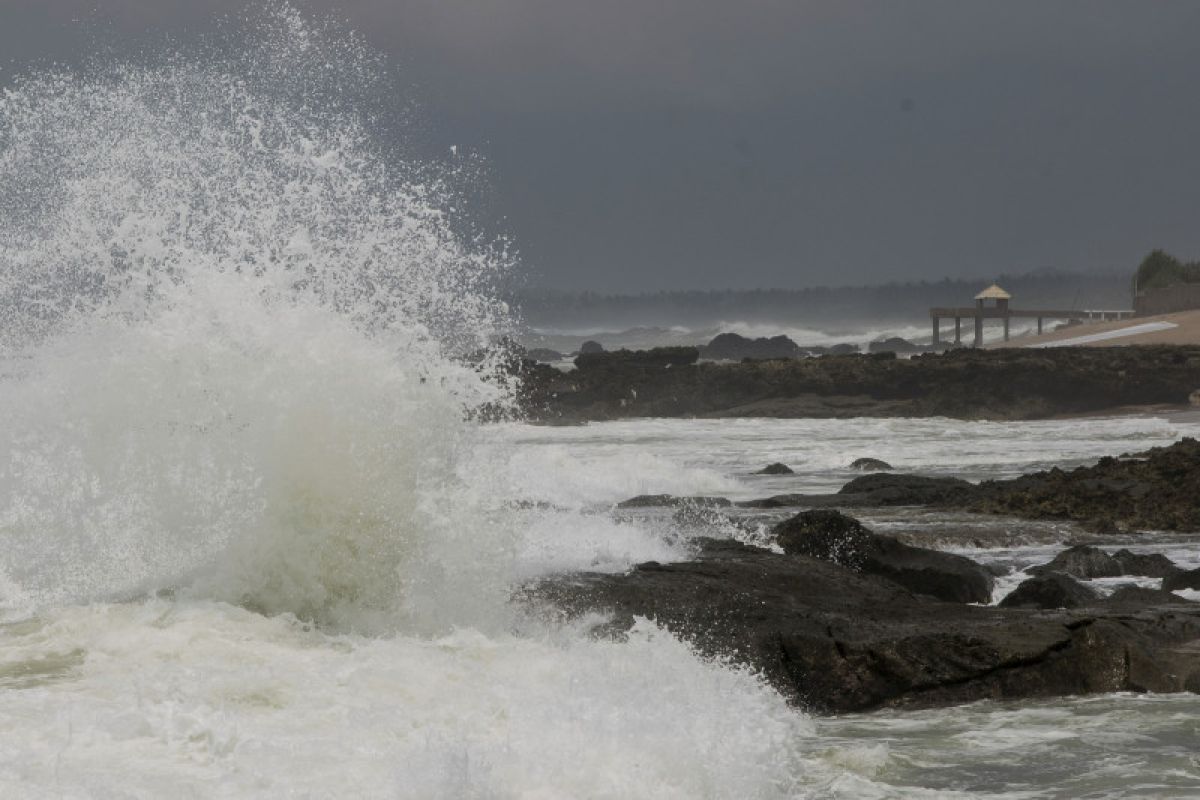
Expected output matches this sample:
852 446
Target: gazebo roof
993 292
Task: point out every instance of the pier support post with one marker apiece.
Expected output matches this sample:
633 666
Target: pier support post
1006 327
937 332
979 330
958 330
1039 326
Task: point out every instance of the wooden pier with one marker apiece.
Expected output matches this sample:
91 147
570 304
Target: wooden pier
1000 309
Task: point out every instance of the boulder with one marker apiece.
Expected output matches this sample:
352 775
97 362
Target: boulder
829 535
1151 565
1182 580
870 465
1052 590
1133 595
1081 561
776 469
734 347
1084 561
887 489
590 347
833 640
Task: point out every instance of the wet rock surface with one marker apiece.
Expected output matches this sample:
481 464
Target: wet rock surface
735 347
835 640
1156 490
964 383
1084 561
829 535
1051 590
870 465
776 469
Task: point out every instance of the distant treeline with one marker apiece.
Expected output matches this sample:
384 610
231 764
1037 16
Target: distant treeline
1161 269
893 302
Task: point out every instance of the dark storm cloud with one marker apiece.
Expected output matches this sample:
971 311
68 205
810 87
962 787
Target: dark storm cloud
638 144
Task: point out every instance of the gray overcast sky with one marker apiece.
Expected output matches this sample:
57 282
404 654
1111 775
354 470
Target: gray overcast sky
647 144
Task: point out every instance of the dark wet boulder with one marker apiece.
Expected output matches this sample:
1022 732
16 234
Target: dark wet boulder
870 465
590 348
1081 561
889 489
1084 561
833 640
735 347
1133 595
1151 565
776 469
1182 580
829 535
671 501
1052 590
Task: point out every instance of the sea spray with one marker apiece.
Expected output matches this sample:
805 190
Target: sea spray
230 321
248 543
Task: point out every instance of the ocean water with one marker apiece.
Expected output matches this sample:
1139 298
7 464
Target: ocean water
253 544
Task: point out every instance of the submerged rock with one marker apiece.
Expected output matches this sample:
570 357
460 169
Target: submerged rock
1081 561
835 640
830 535
776 469
1052 590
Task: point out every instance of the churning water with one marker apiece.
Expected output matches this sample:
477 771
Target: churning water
251 544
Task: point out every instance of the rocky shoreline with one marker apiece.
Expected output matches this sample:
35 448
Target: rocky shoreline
842 619
964 384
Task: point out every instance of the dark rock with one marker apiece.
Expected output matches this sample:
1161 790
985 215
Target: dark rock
671 501
1151 565
1081 561
776 469
1156 491
834 640
1052 590
735 347
1182 580
870 465
829 535
882 489
1132 595
964 383
590 347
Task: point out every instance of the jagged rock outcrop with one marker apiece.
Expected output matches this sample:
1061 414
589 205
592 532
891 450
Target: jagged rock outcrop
735 347
776 469
834 640
1084 561
1155 490
963 383
829 535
